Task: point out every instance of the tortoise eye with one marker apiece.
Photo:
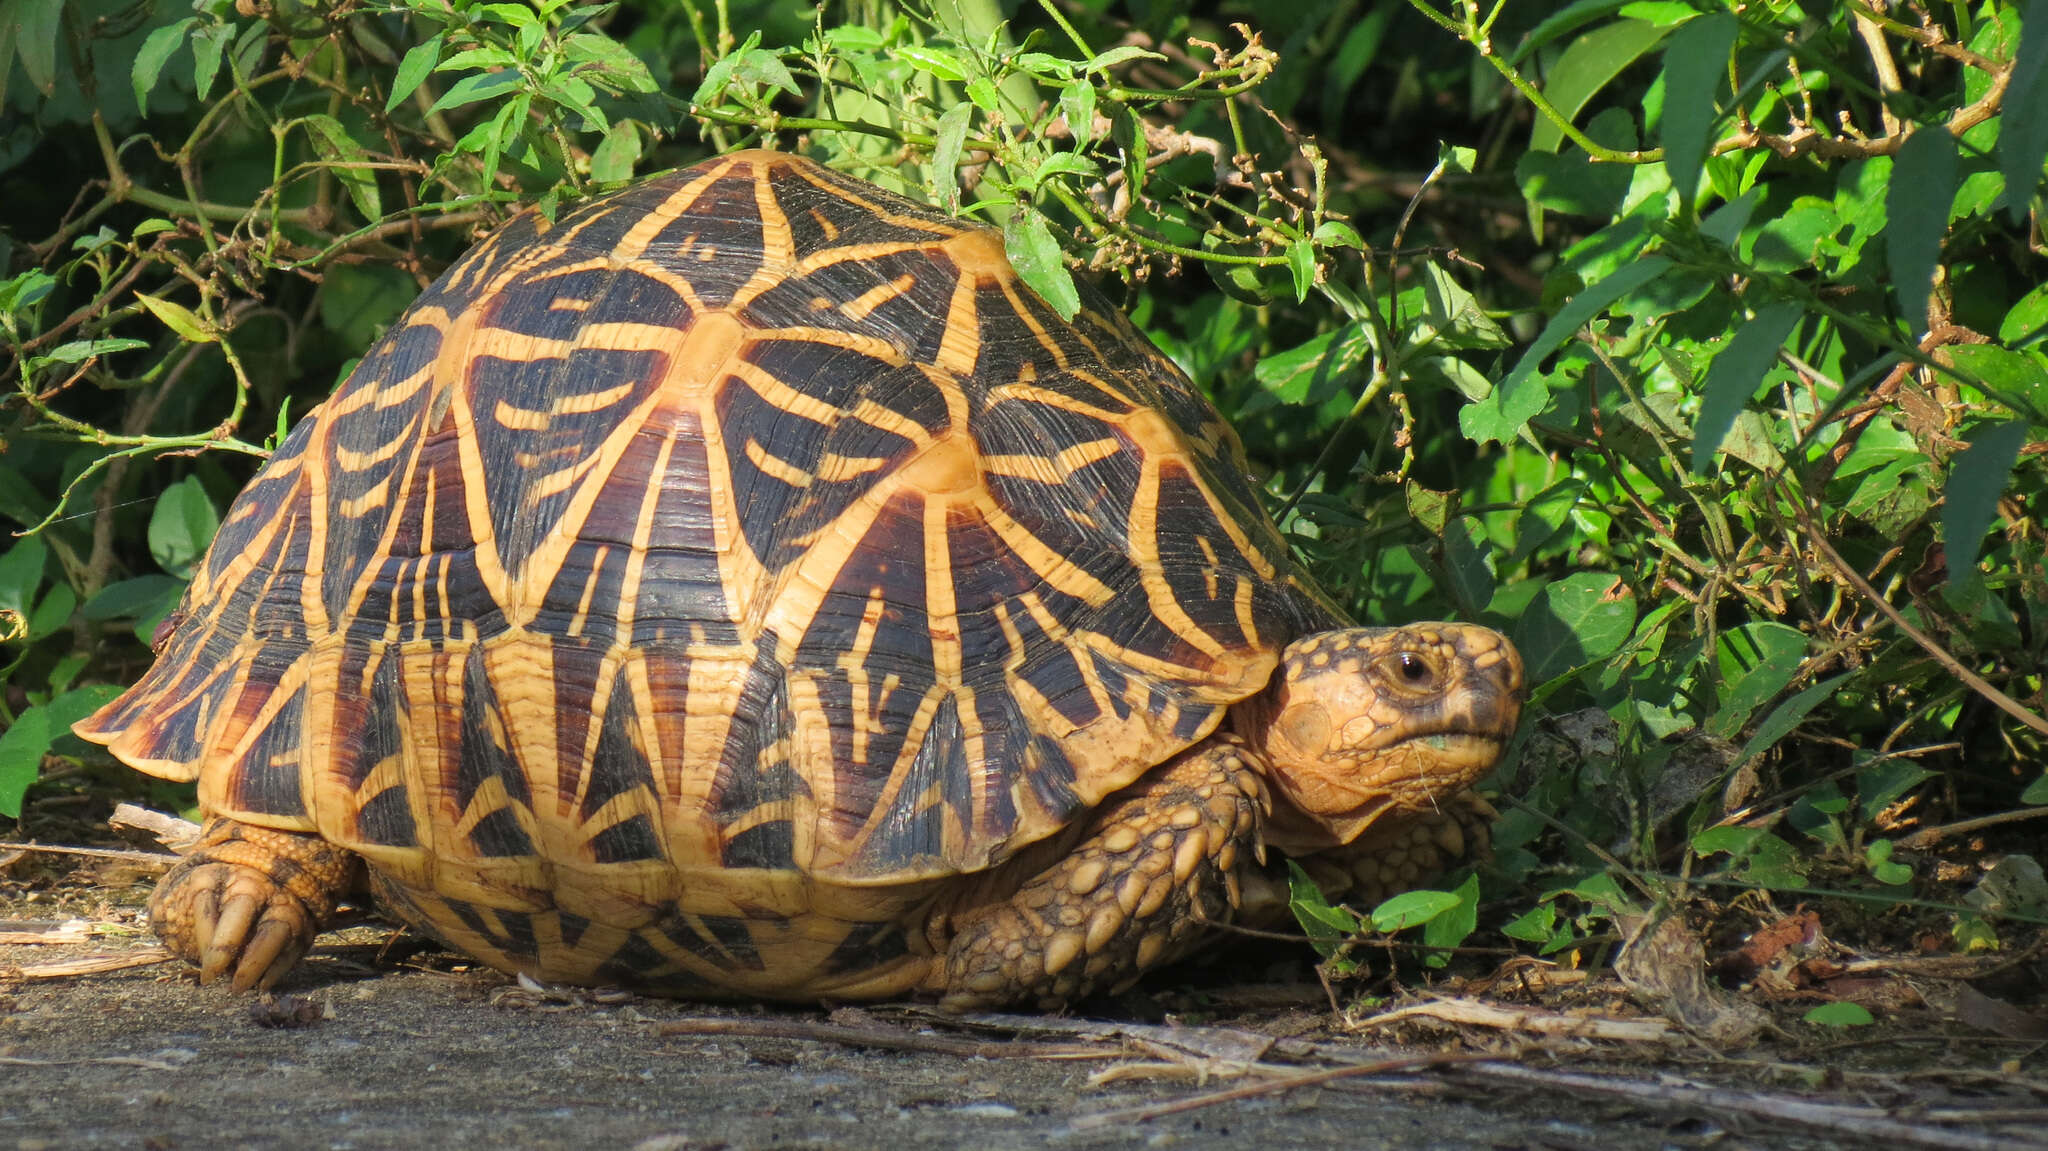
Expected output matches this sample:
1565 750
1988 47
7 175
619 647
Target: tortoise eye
1412 668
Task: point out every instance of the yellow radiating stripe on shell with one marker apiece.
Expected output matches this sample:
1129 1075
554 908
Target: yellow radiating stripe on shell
775 466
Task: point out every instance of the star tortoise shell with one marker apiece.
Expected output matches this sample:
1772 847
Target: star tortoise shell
735 554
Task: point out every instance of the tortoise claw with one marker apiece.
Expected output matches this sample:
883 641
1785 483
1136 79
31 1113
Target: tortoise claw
248 902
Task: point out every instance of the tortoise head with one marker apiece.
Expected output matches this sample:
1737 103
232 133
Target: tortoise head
1367 722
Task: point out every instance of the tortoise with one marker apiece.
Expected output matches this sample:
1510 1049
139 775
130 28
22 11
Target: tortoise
744 586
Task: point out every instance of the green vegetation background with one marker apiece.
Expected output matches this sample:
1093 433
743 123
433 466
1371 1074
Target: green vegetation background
1702 347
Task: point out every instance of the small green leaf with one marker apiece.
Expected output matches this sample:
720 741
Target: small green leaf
947 143
2023 130
1585 67
1840 1013
1695 66
477 59
1110 59
1787 716
1738 370
1327 927
36 29
53 613
934 61
21 574
1077 104
79 351
1301 261
1027 238
616 154
22 747
180 527
179 318
611 61
1411 908
1916 211
413 71
1514 399
1338 234
334 143
1970 500
481 86
207 45
1454 924
150 59
1574 622
1534 925
2036 792
984 94
138 598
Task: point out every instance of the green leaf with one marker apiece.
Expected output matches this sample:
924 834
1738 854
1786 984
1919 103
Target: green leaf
933 61
2036 792
156 51
1840 1013
21 573
1027 238
179 318
948 142
1970 500
1338 234
53 613
22 747
1327 927
1882 783
334 143
1411 908
1534 925
1916 209
1514 399
1580 619
481 86
611 60
616 154
136 598
1301 261
79 351
1315 368
1077 104
36 26
1756 660
1454 924
2023 131
1695 65
413 71
1787 716
478 59
180 527
207 45
1110 59
2026 322
1586 67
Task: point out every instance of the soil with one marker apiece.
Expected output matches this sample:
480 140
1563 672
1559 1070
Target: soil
432 1054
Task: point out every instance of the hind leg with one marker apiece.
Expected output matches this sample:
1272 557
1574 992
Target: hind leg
1159 861
250 900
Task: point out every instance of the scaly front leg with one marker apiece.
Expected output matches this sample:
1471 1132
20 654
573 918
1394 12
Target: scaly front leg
1159 861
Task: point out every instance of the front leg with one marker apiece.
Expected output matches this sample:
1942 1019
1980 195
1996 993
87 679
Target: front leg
1157 862
250 899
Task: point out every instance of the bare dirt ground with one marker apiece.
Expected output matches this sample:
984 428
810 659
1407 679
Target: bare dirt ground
427 1054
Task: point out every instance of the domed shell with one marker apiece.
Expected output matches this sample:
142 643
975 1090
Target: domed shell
752 518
